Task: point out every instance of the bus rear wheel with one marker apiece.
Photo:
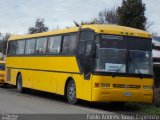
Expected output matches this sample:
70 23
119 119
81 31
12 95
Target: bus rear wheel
71 92
19 84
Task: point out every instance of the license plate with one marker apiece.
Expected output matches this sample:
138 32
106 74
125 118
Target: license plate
127 94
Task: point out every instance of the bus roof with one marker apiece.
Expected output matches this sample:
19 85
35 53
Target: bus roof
104 29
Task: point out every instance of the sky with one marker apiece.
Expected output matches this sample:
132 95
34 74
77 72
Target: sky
16 16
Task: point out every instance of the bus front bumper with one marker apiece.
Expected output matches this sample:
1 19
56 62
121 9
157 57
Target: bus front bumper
122 95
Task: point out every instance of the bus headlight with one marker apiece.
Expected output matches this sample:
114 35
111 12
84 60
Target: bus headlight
147 87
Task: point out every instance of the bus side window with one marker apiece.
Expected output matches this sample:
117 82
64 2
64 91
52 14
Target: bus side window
12 48
30 45
41 45
54 45
69 44
65 48
72 43
20 47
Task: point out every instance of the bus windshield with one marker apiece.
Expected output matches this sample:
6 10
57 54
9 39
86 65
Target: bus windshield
140 60
119 54
110 60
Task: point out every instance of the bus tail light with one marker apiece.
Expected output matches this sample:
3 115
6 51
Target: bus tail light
96 84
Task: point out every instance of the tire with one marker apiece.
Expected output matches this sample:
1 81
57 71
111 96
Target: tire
71 92
19 84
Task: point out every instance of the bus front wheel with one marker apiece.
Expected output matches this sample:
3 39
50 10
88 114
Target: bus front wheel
71 92
19 84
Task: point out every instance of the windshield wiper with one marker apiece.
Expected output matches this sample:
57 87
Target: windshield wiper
118 69
138 69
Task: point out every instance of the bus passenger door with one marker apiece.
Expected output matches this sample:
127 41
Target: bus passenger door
86 39
85 52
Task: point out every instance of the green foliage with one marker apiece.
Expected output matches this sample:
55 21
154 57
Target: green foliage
143 108
39 27
132 14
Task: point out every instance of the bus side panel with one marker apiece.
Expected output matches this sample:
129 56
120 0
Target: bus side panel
83 87
44 81
13 75
62 79
39 80
25 78
49 74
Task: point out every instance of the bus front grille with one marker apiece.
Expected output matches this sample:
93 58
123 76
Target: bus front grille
126 86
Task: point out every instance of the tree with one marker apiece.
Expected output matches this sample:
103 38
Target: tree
93 21
132 14
105 16
154 34
39 27
7 36
3 43
109 16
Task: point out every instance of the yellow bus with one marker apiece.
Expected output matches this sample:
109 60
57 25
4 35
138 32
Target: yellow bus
2 72
96 63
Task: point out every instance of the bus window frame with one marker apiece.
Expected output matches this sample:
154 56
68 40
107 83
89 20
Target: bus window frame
9 50
44 48
48 45
62 41
26 44
24 47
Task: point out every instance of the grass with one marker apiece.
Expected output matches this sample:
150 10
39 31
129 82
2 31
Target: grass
143 108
